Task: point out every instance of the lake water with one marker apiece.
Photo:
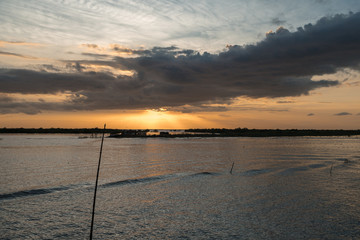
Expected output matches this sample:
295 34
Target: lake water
280 188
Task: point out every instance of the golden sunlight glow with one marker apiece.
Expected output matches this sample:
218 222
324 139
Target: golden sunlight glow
134 119
154 119
59 97
111 50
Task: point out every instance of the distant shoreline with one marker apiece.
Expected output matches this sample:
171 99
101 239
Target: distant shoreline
188 133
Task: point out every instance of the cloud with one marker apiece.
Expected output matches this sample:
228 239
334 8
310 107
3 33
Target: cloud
310 114
342 114
49 67
91 46
16 55
95 55
171 51
14 107
200 108
281 65
277 21
322 1
3 43
34 82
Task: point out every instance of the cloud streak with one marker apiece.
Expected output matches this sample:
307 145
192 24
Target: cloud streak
343 114
281 65
15 55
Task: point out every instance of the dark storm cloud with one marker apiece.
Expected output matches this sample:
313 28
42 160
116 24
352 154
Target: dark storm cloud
32 82
14 107
279 66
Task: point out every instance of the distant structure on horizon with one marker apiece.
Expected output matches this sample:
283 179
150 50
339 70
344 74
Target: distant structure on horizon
129 133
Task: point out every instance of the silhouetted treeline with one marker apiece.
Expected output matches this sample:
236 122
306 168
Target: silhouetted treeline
245 132
208 132
57 130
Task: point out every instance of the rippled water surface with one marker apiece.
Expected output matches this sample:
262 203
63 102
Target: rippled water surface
280 188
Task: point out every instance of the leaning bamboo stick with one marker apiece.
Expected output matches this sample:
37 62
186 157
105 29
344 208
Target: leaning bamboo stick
96 184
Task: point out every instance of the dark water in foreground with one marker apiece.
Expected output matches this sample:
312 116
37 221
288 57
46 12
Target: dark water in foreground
281 188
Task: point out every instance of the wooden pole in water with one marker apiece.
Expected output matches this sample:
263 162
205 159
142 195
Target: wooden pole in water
96 184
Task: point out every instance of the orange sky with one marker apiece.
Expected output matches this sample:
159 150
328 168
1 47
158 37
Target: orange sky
165 67
284 113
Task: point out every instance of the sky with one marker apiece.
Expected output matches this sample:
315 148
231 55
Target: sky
170 64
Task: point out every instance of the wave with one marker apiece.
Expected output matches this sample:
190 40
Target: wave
135 180
291 171
33 192
317 165
255 172
154 178
204 173
41 191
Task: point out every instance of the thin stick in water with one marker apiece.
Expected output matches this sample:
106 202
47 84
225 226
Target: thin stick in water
232 167
331 168
96 184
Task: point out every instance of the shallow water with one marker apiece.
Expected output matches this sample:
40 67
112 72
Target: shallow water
280 188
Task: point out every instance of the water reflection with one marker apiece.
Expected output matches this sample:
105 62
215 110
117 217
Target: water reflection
281 188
